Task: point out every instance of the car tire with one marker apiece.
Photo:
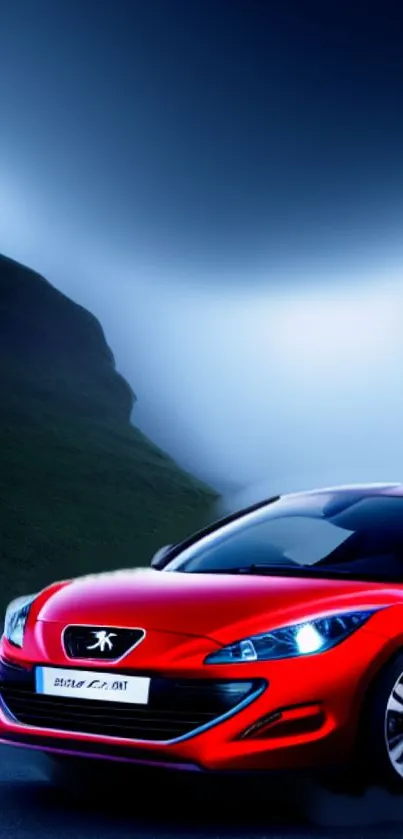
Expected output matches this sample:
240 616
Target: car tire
379 757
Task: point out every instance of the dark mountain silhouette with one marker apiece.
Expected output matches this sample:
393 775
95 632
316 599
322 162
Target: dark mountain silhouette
81 489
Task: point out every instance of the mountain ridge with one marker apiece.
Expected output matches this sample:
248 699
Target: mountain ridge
81 488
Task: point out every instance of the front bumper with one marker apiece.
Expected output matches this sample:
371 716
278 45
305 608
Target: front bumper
300 713
177 709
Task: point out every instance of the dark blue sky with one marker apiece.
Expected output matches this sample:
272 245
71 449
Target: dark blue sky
215 132
221 183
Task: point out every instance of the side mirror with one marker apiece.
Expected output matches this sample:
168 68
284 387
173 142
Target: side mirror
159 559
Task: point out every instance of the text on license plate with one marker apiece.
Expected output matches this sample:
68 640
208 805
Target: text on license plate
88 684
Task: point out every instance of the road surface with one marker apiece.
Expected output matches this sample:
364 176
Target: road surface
169 807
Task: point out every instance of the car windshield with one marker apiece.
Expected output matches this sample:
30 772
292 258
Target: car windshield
346 537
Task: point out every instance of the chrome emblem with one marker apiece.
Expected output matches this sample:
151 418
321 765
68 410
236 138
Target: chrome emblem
103 640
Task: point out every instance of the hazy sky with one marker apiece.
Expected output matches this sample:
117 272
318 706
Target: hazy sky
221 183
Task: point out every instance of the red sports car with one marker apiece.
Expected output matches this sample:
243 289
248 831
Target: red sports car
271 640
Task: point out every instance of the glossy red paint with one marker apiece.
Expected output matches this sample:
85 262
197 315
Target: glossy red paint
207 605
306 710
188 616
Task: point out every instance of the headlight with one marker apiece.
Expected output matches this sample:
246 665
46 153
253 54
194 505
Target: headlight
16 617
315 636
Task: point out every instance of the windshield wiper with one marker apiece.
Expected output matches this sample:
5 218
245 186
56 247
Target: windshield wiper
254 568
280 570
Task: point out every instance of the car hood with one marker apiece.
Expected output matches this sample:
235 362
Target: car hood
220 607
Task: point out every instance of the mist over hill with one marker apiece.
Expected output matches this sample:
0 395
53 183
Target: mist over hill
81 488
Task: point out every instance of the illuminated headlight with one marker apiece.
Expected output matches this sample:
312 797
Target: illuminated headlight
16 617
314 636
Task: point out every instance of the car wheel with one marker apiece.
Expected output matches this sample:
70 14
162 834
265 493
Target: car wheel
380 745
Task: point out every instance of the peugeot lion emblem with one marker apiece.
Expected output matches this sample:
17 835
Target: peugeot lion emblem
103 640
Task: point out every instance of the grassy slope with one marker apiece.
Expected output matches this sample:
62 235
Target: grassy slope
81 489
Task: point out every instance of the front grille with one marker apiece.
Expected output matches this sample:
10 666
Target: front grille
176 708
100 642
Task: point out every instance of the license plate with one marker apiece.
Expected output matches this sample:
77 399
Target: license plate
88 684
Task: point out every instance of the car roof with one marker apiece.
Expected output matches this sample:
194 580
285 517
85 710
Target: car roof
363 490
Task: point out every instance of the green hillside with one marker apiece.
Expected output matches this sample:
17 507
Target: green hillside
81 489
